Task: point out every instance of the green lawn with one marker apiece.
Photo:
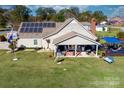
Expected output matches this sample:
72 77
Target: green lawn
111 32
39 70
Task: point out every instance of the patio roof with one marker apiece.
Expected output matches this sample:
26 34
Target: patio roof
72 35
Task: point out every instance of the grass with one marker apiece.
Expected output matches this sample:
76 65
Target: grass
111 32
39 70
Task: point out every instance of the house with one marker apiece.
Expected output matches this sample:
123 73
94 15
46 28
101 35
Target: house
117 20
102 28
68 39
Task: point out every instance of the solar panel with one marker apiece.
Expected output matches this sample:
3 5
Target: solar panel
28 25
31 29
53 24
32 24
39 29
40 24
35 26
35 29
22 30
48 24
44 25
26 29
23 24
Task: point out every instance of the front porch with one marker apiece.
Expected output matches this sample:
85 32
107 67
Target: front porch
76 51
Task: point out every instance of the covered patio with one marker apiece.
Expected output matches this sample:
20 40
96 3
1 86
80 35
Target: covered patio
76 50
75 45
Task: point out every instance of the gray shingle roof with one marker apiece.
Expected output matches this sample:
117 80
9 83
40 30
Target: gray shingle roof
60 27
30 35
48 31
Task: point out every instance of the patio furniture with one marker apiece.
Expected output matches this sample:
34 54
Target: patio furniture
78 53
115 53
70 53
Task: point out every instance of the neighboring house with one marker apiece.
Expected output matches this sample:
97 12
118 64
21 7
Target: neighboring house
69 39
116 20
101 28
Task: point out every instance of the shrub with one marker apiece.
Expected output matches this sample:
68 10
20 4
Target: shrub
3 38
120 35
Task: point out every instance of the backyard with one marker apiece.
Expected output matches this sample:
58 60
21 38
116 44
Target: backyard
39 70
110 32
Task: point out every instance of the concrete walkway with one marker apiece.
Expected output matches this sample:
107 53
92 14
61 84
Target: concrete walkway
4 45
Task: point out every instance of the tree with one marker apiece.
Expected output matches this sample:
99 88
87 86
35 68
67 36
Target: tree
3 17
60 18
41 13
75 10
3 21
44 13
99 16
67 13
85 16
20 13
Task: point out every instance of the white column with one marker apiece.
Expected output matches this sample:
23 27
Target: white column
96 50
75 50
55 51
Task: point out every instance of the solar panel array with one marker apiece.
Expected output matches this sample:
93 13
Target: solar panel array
35 26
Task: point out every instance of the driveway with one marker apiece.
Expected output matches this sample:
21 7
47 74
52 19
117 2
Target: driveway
4 45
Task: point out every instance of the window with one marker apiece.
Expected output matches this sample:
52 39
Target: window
35 42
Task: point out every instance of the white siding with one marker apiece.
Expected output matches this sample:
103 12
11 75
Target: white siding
73 26
102 29
87 27
29 43
99 28
45 45
77 41
76 27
